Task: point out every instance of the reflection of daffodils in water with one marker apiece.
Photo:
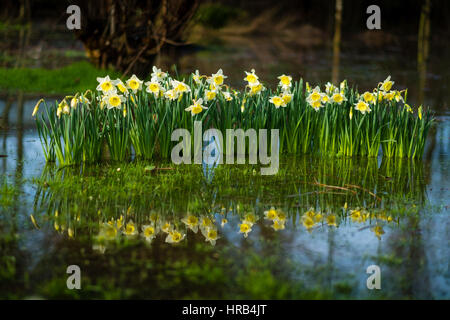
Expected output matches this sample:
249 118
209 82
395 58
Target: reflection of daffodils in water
130 229
245 228
191 222
211 235
270 214
148 232
378 230
331 220
175 236
176 230
278 224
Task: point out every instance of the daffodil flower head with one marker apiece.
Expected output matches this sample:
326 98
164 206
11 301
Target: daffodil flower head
368 97
387 84
153 87
217 78
171 94
285 81
196 107
105 84
113 100
210 95
362 106
338 98
180 87
251 77
227 95
121 86
134 83
256 88
197 77
277 101
287 97
158 74
330 88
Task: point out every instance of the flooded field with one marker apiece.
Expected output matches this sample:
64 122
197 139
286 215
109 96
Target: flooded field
156 230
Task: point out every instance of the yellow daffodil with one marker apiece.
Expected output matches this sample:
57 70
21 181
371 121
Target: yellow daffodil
36 107
251 77
197 77
338 98
277 101
368 97
287 97
330 88
227 96
171 94
408 108
105 84
134 83
152 87
285 81
180 87
387 84
157 74
121 86
315 95
210 95
217 78
419 112
113 100
362 106
196 107
256 88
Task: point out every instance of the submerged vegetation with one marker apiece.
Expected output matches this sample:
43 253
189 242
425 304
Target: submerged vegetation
137 118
